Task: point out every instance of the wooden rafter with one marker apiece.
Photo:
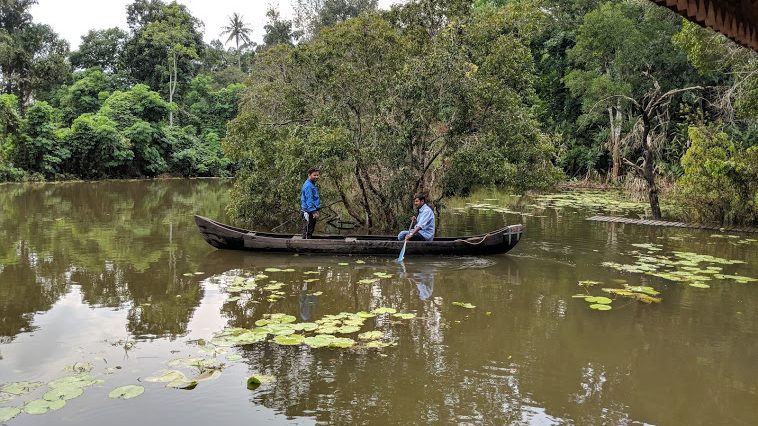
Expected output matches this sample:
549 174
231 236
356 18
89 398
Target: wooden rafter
736 19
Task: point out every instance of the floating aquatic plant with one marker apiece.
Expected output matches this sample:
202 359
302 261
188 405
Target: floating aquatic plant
371 335
600 307
380 311
127 392
7 413
464 305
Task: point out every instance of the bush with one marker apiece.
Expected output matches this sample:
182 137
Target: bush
720 181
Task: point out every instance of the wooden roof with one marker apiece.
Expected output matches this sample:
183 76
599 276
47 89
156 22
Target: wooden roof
736 19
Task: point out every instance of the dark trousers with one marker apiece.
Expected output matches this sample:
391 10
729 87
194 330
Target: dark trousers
309 224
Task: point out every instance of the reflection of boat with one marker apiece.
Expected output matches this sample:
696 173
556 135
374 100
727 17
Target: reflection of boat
228 237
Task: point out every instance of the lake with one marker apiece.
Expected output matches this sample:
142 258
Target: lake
109 284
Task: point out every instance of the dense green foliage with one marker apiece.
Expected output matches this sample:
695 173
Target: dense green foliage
440 110
433 95
720 181
124 104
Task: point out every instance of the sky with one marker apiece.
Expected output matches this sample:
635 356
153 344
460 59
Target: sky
72 19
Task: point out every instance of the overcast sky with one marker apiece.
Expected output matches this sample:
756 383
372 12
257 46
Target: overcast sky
72 19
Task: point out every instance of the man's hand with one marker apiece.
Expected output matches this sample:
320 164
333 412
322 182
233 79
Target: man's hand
413 219
316 215
408 237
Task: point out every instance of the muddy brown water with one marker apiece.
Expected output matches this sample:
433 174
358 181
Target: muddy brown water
99 273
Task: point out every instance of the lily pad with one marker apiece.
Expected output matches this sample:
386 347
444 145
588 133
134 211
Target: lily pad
464 305
273 270
318 293
126 392
348 329
699 285
371 335
282 318
364 314
57 405
320 341
327 329
63 393
81 380
289 340
253 382
38 406
342 342
167 376
305 326
600 307
588 283
599 300
380 311
405 316
343 264
7 413
20 388
369 281
378 344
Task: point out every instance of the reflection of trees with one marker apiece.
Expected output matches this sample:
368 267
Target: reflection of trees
120 241
23 292
437 373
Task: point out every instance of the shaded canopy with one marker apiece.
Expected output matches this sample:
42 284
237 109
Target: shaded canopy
736 19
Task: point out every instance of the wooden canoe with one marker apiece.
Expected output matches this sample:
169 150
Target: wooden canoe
231 238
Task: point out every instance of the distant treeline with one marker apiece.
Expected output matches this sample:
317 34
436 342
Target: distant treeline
433 95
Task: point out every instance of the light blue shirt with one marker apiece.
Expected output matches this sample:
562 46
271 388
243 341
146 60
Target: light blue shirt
425 220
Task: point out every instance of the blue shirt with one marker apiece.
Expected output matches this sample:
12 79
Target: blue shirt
309 199
425 220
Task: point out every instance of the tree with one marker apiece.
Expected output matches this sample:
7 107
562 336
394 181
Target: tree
40 150
385 118
166 40
651 109
85 95
720 181
137 115
278 30
237 30
97 149
313 15
32 56
100 49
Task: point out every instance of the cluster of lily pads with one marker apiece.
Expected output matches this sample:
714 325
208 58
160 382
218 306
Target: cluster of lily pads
606 201
591 200
735 238
639 293
285 331
57 392
683 267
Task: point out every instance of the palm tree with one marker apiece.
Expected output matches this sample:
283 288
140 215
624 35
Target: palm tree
238 31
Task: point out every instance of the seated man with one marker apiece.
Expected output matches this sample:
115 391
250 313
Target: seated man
424 230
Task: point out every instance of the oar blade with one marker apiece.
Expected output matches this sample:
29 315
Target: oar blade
402 254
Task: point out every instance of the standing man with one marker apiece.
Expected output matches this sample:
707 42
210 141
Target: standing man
310 203
424 230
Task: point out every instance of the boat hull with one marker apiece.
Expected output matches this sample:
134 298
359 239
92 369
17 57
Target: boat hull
228 237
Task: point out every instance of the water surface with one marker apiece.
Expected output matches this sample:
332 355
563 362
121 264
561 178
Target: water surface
115 274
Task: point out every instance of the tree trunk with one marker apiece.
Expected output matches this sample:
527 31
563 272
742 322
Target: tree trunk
239 54
615 143
171 88
366 206
649 168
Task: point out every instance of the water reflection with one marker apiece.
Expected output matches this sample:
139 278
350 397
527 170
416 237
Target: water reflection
117 240
88 264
